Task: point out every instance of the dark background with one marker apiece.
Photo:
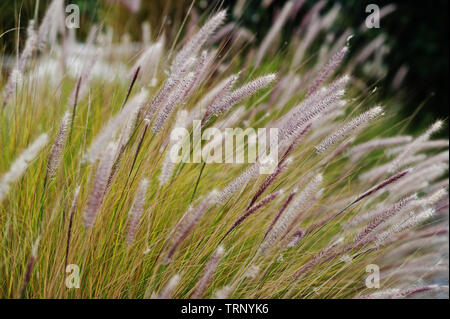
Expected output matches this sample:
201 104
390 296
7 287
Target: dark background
417 33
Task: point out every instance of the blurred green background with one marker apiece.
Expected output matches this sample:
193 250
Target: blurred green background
417 34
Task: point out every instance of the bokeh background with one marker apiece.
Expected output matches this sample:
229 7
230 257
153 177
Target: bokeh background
416 37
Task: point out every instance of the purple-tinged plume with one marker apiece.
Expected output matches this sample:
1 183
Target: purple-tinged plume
99 185
348 128
327 70
210 268
136 211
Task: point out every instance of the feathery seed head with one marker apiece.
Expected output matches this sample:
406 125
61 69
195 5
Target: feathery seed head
20 165
349 127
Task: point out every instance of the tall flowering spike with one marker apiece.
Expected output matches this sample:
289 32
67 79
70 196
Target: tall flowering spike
58 146
381 218
20 165
418 179
194 44
314 100
317 258
405 224
360 219
210 268
432 199
16 75
301 213
242 180
295 142
52 23
339 150
219 98
244 91
201 70
161 97
201 106
167 165
381 170
148 63
286 219
327 70
30 46
167 291
173 100
359 150
357 123
424 146
437 159
307 113
138 103
136 211
267 182
249 211
99 186
382 185
414 146
109 131
187 223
